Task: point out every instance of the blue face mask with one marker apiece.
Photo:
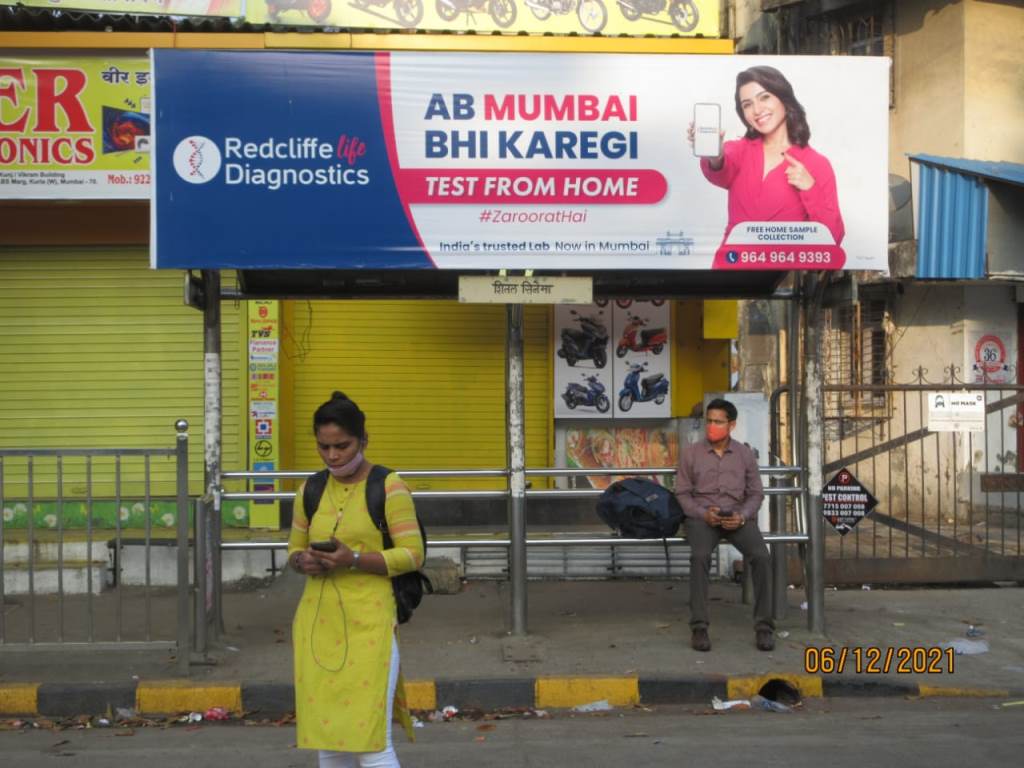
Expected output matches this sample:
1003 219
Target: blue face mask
348 469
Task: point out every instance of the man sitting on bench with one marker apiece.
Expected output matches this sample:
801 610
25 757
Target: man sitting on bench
719 489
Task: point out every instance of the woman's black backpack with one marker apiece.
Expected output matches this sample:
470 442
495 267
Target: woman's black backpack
408 587
640 509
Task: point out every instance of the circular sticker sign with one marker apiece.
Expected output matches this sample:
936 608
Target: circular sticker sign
990 354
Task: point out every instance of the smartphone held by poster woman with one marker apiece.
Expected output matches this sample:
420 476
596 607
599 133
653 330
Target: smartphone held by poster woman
707 130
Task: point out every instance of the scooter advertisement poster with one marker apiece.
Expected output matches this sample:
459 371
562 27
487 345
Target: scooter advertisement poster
641 333
613 360
557 17
488 161
584 385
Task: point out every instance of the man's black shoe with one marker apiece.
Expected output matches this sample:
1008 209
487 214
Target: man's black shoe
765 640
700 640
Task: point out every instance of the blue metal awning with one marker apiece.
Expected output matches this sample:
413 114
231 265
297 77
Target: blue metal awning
953 205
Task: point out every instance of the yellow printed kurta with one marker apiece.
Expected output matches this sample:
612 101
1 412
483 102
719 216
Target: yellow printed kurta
345 622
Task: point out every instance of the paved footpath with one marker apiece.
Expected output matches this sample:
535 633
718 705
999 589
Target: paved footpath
624 642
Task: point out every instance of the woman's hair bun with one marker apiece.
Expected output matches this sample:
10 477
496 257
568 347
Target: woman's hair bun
336 395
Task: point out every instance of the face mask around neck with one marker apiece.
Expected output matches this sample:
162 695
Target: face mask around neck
348 469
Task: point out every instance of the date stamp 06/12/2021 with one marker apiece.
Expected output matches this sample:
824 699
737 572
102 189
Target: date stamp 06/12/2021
879 660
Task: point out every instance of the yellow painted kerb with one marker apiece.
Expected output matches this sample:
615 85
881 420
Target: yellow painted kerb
168 696
573 691
421 694
745 687
19 698
954 691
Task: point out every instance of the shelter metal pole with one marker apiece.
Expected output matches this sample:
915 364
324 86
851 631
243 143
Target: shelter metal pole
516 466
813 449
212 412
184 649
780 551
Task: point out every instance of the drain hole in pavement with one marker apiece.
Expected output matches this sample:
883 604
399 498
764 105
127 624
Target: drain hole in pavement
781 691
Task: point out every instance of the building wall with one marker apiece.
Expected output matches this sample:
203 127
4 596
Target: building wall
930 83
994 73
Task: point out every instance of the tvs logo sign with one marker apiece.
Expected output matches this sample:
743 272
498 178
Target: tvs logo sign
197 159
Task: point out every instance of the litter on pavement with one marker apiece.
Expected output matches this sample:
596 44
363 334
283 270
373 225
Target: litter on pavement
724 706
593 706
965 647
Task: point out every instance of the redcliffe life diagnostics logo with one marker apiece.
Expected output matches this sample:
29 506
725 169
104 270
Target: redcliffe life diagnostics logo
197 159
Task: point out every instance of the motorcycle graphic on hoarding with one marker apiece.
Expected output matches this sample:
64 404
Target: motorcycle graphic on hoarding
317 10
593 14
408 12
588 342
591 395
684 13
636 338
502 12
635 390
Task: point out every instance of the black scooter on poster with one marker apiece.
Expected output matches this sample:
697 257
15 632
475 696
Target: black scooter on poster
684 13
502 12
588 342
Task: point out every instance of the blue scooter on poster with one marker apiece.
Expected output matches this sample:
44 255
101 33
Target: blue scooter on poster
591 395
637 390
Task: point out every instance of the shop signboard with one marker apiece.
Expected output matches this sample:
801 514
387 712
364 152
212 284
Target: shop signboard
74 127
524 289
465 161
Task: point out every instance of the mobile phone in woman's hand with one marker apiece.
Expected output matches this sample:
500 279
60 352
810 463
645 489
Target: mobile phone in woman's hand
324 546
707 136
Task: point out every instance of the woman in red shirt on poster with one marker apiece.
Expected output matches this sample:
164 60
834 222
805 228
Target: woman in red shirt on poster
772 173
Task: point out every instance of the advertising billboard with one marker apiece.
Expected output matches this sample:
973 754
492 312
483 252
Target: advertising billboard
75 128
519 161
538 17
222 8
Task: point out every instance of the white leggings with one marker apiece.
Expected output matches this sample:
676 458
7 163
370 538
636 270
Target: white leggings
386 758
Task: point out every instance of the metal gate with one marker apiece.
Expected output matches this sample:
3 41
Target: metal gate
949 501
73 521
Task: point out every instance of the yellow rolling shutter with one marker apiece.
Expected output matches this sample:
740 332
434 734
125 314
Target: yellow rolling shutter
99 351
430 376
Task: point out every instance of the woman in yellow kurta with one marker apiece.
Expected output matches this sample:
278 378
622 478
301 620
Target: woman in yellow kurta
347 683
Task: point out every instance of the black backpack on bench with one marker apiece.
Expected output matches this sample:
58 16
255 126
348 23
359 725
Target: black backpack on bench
408 587
641 509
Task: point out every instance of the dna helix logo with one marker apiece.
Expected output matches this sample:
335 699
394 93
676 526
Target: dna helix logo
197 159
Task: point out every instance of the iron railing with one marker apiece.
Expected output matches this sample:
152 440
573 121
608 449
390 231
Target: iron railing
50 560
